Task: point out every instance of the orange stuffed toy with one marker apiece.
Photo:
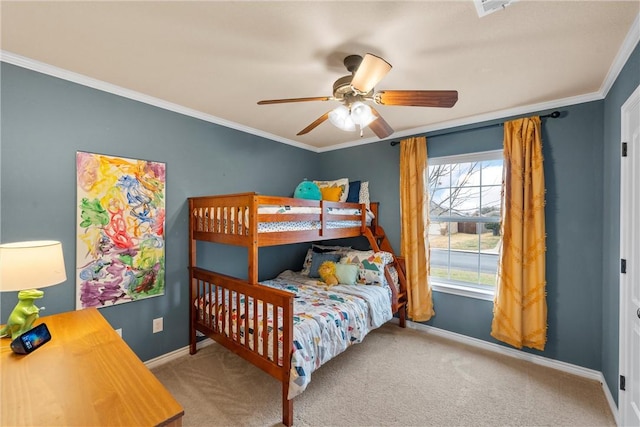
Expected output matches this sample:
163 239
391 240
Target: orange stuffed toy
327 272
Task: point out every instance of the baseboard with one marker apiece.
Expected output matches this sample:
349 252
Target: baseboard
612 403
168 357
533 358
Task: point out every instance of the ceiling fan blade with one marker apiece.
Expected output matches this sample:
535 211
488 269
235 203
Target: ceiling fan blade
371 70
282 101
380 126
417 98
313 125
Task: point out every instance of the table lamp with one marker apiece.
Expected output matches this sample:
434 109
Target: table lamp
25 266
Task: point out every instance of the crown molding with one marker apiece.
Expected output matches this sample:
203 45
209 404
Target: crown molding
41 67
631 41
480 118
625 51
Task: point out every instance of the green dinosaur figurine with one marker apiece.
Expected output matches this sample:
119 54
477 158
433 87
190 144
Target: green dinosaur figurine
23 315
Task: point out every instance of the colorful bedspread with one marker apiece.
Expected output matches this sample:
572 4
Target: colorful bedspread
325 323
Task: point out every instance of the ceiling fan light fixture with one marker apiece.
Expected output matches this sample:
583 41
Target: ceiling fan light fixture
340 117
356 96
361 114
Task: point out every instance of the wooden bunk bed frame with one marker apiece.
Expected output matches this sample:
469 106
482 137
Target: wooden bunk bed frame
233 219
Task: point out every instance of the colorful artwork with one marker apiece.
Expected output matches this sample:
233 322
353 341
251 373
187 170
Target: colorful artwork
120 227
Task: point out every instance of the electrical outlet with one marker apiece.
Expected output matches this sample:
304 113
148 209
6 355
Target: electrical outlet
157 325
119 332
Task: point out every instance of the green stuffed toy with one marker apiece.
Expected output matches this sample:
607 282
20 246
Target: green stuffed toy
307 190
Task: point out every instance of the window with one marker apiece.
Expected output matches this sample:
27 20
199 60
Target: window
464 231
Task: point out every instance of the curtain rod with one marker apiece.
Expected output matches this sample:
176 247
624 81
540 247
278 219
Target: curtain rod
553 115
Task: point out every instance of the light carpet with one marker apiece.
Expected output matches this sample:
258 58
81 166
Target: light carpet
396 377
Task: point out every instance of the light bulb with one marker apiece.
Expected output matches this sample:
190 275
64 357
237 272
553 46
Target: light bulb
340 118
361 114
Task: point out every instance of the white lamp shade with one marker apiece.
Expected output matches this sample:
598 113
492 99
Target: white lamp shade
31 265
371 70
341 118
361 114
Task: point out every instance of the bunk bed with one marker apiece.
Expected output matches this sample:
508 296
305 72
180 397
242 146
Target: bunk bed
256 320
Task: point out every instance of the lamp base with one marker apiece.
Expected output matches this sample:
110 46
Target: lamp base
23 315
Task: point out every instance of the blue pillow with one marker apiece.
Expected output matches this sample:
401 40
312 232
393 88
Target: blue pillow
318 259
354 192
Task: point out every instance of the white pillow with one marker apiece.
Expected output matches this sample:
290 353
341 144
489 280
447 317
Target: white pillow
364 193
371 265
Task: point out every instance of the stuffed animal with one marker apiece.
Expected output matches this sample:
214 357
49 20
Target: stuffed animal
327 272
307 190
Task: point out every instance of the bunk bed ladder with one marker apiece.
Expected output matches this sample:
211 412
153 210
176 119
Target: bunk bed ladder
379 242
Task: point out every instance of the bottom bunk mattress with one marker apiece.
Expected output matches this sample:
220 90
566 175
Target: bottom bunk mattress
325 323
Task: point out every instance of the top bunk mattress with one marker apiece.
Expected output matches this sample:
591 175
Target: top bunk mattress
287 225
235 220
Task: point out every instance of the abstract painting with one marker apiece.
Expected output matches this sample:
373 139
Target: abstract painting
120 230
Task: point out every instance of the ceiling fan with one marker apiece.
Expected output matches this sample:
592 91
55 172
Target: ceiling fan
356 90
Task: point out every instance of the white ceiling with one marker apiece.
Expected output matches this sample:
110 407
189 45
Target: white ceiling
216 59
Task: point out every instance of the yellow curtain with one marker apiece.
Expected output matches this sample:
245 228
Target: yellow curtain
414 243
520 307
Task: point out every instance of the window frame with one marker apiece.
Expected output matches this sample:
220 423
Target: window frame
471 291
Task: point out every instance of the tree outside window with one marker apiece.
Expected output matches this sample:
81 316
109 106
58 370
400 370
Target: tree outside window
464 232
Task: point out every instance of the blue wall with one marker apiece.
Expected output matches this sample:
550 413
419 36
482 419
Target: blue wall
626 83
572 148
45 120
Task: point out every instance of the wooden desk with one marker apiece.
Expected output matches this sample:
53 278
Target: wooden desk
85 376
